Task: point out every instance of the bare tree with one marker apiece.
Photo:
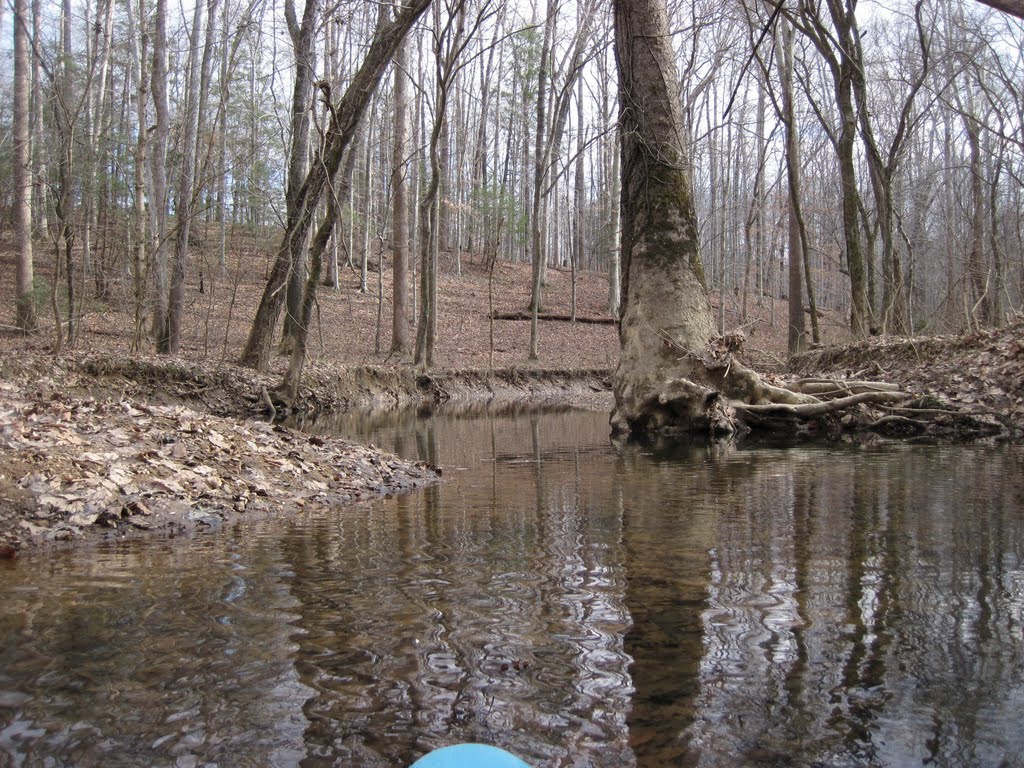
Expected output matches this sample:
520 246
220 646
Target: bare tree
302 36
451 39
797 336
883 164
184 199
400 206
345 117
158 178
837 40
139 50
537 218
666 316
550 129
24 302
669 379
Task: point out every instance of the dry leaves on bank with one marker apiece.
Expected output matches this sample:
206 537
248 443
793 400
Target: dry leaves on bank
120 465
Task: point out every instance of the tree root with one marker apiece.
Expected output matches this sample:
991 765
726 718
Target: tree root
828 388
822 407
713 392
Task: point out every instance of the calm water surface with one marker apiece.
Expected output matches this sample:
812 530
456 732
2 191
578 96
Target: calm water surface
577 604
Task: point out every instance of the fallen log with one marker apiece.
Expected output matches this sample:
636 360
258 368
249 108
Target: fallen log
551 316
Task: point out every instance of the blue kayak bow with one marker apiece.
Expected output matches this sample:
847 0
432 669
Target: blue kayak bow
469 756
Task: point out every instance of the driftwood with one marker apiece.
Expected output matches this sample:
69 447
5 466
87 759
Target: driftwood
554 317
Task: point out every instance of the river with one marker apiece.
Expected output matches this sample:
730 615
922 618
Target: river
576 603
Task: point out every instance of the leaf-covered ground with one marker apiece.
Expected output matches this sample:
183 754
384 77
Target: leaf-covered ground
78 467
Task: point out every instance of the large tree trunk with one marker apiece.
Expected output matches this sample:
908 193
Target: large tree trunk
666 317
669 378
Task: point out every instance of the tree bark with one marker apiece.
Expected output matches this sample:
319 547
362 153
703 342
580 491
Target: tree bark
158 158
139 50
302 36
797 336
40 168
977 270
1012 7
447 43
670 379
184 202
615 232
537 216
837 43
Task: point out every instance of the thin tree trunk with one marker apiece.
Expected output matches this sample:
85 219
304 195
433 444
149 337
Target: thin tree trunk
537 217
25 310
64 204
139 50
797 324
367 198
998 314
977 271
615 226
39 163
303 37
837 45
158 158
96 101
577 252
184 203
450 40
400 207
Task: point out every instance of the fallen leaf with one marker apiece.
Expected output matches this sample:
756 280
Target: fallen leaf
83 520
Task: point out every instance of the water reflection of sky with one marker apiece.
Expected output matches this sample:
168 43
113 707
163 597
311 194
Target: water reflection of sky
577 604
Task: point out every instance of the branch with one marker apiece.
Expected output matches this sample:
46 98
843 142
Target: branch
1012 7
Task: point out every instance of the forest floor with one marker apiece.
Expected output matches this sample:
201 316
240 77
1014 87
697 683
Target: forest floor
98 441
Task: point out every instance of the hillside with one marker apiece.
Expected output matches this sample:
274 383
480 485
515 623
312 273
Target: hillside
221 305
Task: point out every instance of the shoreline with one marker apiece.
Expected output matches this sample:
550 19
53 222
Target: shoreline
97 448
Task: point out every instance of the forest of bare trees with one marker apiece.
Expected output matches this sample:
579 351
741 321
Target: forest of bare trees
864 158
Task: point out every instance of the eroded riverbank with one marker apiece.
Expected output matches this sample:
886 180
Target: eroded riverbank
98 447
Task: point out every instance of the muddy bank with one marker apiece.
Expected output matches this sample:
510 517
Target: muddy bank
97 447
230 390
